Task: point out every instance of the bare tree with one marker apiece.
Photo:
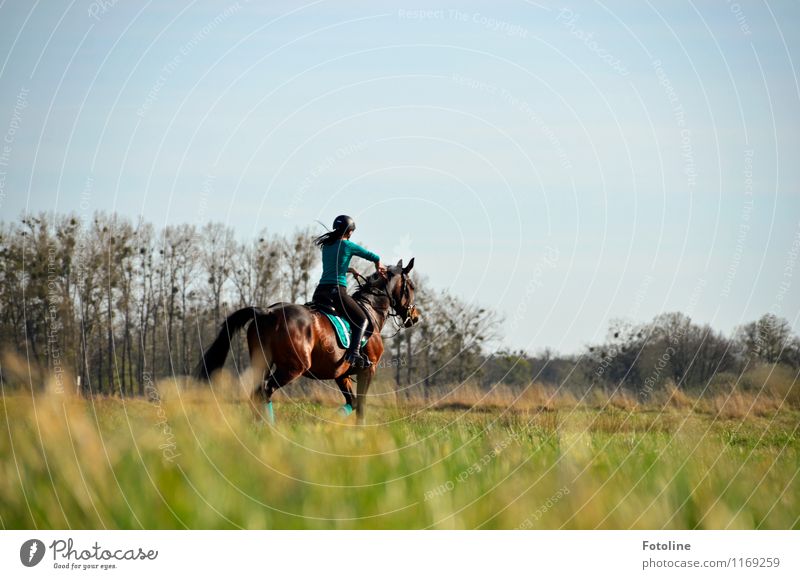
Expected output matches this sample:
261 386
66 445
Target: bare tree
217 254
144 275
300 257
255 270
769 339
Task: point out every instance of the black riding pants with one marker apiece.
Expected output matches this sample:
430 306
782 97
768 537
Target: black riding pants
345 305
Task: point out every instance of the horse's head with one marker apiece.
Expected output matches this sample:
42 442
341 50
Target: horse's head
401 291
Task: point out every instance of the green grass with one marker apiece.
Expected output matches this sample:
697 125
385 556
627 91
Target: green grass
74 463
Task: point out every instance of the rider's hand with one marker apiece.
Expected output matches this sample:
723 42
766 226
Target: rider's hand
380 268
352 271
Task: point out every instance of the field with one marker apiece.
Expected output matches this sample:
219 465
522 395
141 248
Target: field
195 458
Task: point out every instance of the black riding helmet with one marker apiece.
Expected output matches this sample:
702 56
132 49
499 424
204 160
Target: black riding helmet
343 224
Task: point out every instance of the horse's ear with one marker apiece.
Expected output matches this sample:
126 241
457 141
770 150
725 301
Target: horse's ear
400 264
407 268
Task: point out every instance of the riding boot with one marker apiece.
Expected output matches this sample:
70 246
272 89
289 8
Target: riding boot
354 355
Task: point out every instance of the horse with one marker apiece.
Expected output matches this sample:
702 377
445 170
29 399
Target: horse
287 341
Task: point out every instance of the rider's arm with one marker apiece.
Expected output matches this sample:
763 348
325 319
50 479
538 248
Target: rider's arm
356 249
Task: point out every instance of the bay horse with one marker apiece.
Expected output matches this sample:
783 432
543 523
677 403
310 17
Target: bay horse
287 341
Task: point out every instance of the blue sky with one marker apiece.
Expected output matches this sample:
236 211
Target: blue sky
565 163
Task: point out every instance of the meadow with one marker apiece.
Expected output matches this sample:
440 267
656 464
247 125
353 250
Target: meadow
194 457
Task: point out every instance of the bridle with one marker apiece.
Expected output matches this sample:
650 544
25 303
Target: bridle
404 293
394 306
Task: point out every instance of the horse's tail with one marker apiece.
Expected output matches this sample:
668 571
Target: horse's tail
214 357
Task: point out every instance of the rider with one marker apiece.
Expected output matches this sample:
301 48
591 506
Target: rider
337 250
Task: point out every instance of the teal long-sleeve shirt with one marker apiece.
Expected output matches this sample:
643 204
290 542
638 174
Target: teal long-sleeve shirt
336 259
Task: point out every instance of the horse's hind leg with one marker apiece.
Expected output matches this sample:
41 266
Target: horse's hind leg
257 377
262 398
278 378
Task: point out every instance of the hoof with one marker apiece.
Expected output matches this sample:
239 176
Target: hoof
346 410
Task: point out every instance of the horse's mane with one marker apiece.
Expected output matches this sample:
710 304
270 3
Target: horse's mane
375 281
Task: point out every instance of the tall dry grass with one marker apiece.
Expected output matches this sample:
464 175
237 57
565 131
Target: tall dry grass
192 456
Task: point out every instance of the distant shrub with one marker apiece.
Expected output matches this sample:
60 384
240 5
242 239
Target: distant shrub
778 381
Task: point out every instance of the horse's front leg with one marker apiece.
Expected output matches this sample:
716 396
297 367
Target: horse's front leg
363 378
346 386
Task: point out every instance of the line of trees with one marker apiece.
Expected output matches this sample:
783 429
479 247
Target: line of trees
644 358
113 302
117 303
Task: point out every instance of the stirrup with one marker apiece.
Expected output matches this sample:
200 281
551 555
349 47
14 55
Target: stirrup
357 359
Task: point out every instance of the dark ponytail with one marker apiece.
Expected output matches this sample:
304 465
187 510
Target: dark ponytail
328 238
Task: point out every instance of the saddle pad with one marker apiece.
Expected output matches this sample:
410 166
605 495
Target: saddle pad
342 328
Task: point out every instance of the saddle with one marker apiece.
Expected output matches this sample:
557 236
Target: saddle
340 324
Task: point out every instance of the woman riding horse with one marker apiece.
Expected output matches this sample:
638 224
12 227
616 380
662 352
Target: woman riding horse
287 341
337 251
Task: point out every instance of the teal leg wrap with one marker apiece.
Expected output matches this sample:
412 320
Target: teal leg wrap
346 410
270 413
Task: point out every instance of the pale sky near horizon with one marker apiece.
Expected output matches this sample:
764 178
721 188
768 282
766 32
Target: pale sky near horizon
565 163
